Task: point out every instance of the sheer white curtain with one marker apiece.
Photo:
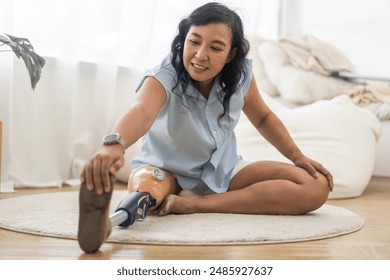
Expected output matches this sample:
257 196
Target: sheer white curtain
96 51
359 28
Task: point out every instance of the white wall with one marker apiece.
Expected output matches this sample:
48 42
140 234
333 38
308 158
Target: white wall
359 28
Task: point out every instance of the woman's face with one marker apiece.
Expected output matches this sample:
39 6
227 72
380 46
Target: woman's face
207 49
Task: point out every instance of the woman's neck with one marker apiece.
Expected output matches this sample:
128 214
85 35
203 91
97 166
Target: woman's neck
205 87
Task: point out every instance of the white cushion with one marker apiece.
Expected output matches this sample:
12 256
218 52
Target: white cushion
265 86
382 164
294 84
336 133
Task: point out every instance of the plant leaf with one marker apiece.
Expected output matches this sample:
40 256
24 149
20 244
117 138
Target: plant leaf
34 64
23 48
4 39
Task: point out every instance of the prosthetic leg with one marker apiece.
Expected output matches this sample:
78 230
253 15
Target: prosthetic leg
148 186
134 207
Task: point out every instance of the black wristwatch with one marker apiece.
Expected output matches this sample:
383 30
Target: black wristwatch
114 138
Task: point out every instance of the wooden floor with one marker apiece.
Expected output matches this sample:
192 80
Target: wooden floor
372 242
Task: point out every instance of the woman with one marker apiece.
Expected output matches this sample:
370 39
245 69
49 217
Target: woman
186 109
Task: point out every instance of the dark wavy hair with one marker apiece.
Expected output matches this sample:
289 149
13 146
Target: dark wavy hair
233 72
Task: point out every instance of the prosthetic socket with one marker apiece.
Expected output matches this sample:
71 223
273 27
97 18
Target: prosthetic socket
148 186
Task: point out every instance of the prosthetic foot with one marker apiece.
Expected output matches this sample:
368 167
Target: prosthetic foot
94 224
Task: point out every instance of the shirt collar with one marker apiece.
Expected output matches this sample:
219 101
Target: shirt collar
215 89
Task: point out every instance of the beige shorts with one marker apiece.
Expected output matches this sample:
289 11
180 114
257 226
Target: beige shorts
203 189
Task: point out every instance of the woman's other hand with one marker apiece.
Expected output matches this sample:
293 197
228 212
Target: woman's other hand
313 167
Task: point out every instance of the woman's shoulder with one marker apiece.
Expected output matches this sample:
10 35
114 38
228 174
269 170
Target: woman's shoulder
164 73
248 65
164 68
247 78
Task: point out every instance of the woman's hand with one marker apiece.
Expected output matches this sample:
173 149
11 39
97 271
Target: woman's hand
96 173
313 167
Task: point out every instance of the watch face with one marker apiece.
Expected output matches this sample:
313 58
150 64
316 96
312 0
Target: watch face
111 137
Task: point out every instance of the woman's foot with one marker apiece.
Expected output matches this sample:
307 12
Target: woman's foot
94 222
183 203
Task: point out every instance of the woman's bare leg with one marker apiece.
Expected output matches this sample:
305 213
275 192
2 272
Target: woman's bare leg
259 188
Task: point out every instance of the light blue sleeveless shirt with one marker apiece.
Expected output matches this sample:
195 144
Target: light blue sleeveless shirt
186 138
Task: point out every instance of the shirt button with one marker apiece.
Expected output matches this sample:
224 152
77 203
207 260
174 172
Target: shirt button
214 131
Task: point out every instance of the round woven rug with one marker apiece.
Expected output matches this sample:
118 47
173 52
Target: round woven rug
56 215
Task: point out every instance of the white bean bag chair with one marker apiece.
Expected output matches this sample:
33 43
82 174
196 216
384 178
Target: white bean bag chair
336 133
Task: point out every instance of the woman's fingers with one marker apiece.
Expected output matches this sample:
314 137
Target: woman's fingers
96 172
313 167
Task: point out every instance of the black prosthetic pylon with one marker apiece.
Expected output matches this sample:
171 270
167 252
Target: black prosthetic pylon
133 207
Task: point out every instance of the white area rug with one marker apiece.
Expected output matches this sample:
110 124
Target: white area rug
56 215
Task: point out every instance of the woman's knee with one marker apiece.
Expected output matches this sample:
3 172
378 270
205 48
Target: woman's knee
316 193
